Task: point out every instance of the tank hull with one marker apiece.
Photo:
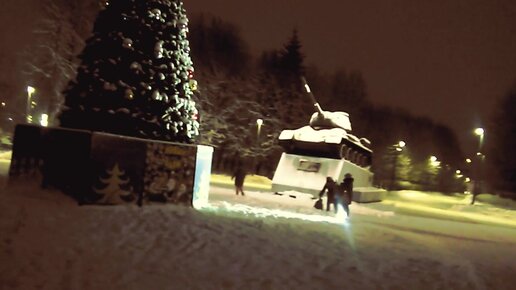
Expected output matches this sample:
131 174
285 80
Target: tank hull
328 143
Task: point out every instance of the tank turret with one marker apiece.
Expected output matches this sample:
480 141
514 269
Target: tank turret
327 135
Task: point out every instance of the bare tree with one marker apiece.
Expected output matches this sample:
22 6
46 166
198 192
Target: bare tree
50 61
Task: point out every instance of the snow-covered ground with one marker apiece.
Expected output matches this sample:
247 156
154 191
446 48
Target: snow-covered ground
259 241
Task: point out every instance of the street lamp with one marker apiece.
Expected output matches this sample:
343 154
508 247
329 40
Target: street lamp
398 147
480 133
44 120
433 170
477 186
30 91
259 123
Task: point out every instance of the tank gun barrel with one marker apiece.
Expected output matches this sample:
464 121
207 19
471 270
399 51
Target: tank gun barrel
311 95
325 119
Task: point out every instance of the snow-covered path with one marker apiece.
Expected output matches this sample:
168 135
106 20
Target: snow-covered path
48 242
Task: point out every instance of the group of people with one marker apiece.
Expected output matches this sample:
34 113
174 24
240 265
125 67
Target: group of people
338 194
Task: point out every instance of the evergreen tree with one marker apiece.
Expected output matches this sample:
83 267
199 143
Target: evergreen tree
291 59
50 60
347 92
135 77
269 62
501 142
295 106
286 65
218 46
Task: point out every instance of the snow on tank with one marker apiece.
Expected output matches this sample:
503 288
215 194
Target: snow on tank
327 135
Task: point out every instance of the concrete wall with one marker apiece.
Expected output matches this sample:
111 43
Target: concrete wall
100 168
290 176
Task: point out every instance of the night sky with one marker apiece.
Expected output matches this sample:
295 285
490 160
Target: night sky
449 60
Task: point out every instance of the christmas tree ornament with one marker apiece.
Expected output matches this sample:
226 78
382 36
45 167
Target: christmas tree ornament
193 85
190 72
127 43
129 94
155 13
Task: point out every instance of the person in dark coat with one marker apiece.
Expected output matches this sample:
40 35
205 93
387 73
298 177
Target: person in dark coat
239 176
347 191
331 187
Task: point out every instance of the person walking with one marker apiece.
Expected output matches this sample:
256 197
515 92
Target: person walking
347 192
239 177
330 186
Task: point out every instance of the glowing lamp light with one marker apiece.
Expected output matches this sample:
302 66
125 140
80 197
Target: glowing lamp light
44 120
434 162
259 123
479 131
457 171
30 90
468 160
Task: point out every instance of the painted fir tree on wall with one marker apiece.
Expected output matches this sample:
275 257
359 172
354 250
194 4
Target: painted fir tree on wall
136 74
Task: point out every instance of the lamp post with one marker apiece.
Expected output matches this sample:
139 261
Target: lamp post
259 123
480 133
477 187
434 169
30 91
398 148
44 120
434 161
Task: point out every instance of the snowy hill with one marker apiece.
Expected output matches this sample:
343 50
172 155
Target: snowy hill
260 241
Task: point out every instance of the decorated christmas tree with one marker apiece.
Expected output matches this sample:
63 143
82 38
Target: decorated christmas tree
136 75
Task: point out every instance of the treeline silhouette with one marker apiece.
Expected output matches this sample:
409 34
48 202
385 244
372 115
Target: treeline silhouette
237 88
